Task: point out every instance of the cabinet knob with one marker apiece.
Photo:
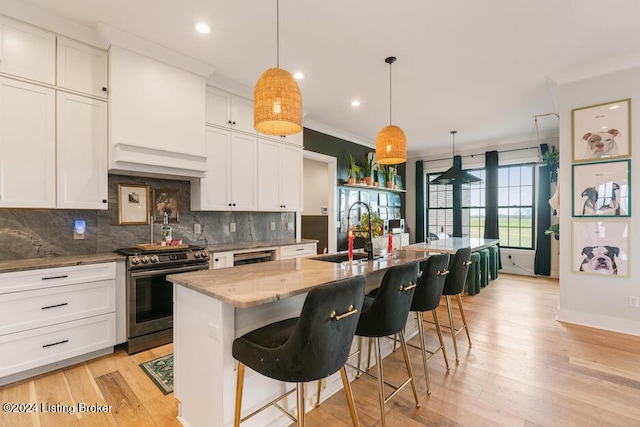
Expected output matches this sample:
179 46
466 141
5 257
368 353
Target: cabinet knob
233 123
229 121
215 259
104 200
104 89
234 204
229 204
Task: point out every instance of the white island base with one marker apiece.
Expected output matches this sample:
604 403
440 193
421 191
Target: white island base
205 371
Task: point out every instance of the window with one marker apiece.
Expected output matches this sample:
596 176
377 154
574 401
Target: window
439 207
473 206
515 206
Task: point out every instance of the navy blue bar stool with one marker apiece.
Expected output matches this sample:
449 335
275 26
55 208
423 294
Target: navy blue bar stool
454 286
308 348
427 298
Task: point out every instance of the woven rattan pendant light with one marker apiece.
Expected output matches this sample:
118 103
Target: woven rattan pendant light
391 144
277 103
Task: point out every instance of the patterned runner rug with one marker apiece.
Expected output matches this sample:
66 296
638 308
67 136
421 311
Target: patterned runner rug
160 371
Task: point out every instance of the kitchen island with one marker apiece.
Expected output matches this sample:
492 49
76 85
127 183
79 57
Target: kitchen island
452 244
212 308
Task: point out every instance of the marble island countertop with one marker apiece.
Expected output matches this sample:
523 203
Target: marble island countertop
57 261
256 284
239 246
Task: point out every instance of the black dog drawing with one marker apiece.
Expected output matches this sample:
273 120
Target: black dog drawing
600 259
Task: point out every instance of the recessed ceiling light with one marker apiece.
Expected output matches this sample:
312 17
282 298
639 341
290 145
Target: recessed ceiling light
202 28
298 76
613 107
604 127
355 103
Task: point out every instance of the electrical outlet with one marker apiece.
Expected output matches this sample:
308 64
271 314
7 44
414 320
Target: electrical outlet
634 301
272 226
232 227
214 331
197 228
289 225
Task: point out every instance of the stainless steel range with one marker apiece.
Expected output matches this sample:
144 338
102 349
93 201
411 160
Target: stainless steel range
150 295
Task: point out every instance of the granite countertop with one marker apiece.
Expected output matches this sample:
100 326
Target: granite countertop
256 284
57 261
239 246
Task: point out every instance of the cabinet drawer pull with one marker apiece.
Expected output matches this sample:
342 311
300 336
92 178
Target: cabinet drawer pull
55 277
55 343
300 249
54 306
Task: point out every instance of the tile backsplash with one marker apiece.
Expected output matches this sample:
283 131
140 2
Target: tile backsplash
32 233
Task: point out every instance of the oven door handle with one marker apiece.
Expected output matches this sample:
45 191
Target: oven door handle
167 271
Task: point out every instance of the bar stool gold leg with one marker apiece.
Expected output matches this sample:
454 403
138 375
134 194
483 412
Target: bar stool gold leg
422 349
318 393
407 362
239 384
452 326
378 353
436 321
349 393
300 395
464 320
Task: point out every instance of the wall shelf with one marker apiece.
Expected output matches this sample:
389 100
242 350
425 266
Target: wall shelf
371 187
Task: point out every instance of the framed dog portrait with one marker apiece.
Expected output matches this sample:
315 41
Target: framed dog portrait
600 247
601 131
602 189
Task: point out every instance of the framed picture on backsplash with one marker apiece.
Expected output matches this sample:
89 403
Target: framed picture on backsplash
165 202
133 204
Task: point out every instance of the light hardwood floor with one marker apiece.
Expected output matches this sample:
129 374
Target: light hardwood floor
524 369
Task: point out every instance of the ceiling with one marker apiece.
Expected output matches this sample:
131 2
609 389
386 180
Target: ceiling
482 68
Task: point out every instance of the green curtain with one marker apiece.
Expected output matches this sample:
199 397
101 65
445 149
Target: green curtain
542 262
420 206
491 230
457 202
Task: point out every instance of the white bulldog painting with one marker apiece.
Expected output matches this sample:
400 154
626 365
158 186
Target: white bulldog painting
601 131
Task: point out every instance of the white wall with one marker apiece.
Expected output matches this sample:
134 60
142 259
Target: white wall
316 188
599 301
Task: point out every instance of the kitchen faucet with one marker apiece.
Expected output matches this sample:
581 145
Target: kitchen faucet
369 246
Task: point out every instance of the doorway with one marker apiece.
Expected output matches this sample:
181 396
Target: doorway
318 218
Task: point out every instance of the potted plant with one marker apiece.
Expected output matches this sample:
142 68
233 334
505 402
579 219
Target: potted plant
553 230
367 169
389 175
354 171
552 158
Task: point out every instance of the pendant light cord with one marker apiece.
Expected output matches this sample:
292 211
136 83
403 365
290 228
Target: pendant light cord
390 93
277 33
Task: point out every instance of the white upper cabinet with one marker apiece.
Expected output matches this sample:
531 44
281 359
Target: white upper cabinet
27 51
81 152
27 145
230 183
279 177
229 111
156 116
81 68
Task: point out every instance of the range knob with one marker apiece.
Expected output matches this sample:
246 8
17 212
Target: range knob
154 258
196 254
135 260
145 259
205 254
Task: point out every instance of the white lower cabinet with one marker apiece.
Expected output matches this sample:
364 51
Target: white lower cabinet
49 315
279 177
221 260
297 251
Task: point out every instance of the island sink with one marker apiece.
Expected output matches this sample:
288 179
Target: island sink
338 258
